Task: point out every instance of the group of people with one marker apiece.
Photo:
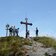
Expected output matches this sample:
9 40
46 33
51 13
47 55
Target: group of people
12 30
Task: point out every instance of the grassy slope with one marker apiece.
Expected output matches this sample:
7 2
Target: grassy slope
12 44
47 41
15 44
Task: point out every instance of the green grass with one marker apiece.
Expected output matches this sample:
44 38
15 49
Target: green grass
12 44
47 41
15 45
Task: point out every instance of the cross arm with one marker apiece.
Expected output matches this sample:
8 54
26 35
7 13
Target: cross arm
29 24
22 22
26 23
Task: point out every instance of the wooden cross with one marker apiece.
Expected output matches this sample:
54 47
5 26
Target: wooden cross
26 23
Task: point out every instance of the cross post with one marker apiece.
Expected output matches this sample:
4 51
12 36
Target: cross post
26 23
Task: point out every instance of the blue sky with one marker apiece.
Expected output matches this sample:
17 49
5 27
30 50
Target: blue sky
42 13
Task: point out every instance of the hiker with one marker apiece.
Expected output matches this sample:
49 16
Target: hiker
7 28
28 33
11 31
36 31
17 31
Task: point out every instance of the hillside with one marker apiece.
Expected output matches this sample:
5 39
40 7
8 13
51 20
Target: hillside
19 46
47 41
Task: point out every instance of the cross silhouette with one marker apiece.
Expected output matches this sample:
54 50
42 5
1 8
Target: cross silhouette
26 23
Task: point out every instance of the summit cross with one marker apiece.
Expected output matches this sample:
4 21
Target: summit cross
26 24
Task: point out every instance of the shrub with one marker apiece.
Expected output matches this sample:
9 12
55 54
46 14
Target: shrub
46 54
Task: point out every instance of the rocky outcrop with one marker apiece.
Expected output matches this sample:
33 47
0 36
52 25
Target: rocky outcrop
37 49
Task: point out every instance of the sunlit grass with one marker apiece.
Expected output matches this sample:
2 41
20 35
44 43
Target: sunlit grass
47 41
15 44
12 44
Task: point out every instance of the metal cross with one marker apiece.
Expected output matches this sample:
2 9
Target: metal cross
26 23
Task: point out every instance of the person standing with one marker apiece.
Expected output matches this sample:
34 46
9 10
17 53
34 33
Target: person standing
37 32
28 33
17 31
7 28
14 31
11 31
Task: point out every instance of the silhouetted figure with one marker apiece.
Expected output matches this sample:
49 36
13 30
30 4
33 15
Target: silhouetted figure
28 33
7 28
17 31
36 32
11 31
